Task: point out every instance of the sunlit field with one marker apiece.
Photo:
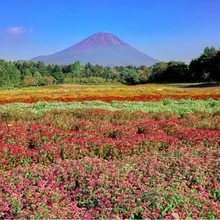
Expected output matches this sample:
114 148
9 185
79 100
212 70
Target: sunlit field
99 152
107 93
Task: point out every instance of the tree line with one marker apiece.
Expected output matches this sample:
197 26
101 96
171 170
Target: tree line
205 68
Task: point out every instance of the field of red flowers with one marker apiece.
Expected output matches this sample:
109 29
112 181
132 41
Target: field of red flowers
94 163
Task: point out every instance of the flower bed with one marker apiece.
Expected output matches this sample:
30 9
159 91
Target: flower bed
94 163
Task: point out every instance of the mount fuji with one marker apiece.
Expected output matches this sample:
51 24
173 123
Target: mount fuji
101 48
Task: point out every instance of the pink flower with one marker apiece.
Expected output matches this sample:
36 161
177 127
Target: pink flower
127 214
154 215
146 212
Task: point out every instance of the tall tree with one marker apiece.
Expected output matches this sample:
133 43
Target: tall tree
77 69
42 68
177 72
158 72
4 77
38 78
58 74
202 67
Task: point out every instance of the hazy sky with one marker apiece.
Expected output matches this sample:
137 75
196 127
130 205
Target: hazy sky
164 29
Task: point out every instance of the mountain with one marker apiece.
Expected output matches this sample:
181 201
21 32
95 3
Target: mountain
102 49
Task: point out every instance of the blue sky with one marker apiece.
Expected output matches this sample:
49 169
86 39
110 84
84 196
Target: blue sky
164 29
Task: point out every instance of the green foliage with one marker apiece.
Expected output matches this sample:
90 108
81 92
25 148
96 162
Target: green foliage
170 72
27 72
9 74
129 77
208 53
4 77
14 74
158 71
177 72
42 69
92 81
58 74
206 67
77 68
38 78
179 107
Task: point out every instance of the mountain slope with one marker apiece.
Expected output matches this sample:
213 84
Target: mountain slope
101 48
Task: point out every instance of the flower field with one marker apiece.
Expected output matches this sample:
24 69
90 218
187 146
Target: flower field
68 93
111 160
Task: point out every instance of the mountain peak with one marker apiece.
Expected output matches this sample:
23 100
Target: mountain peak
102 39
103 33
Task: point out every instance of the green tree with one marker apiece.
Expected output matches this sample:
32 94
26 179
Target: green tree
77 68
38 78
129 77
177 72
202 67
14 73
4 77
27 72
158 72
207 54
42 69
58 74
15 77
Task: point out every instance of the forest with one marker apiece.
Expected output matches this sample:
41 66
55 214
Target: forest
205 68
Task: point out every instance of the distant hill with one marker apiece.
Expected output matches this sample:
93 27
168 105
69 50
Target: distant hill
102 49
